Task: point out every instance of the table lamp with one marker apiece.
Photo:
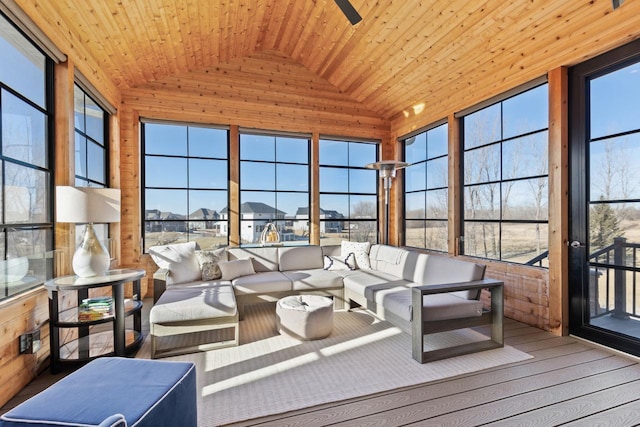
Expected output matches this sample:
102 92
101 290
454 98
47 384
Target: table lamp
387 170
87 205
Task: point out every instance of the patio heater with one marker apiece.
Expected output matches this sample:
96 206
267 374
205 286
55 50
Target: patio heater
388 169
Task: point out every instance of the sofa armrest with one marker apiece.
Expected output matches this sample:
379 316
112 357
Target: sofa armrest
494 318
159 283
455 287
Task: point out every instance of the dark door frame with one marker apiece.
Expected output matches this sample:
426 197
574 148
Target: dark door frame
579 125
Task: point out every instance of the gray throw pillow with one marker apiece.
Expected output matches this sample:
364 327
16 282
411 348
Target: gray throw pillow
208 261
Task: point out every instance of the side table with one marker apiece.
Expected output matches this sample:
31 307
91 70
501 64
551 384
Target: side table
88 345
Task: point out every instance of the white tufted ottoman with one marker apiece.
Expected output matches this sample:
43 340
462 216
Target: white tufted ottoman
306 317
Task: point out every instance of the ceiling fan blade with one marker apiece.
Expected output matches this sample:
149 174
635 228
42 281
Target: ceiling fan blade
349 11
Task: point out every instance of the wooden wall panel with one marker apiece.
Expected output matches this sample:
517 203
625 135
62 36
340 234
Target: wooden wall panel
52 19
21 314
559 200
131 214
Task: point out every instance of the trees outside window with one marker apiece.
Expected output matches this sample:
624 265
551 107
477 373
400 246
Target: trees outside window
426 189
505 178
26 223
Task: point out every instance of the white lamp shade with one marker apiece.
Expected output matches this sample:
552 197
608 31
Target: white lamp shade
82 205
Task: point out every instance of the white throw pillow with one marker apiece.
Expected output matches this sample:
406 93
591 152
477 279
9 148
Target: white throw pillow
336 263
208 261
236 268
180 259
360 250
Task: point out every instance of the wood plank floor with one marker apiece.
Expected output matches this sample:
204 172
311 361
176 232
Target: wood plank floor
568 382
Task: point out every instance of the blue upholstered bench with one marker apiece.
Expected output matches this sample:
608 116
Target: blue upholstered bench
116 392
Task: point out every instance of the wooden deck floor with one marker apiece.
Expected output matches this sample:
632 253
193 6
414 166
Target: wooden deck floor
568 382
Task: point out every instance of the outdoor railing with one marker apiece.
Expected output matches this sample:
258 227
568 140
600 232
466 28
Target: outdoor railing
618 264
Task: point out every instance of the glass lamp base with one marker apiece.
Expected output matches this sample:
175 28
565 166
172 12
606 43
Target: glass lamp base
91 258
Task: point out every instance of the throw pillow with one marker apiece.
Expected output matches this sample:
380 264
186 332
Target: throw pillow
360 251
208 261
336 263
236 268
350 261
180 259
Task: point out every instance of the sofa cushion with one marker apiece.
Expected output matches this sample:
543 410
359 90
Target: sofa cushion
208 261
180 304
317 278
201 284
299 258
445 306
259 283
236 268
391 259
180 259
360 250
449 306
368 282
263 259
332 250
437 269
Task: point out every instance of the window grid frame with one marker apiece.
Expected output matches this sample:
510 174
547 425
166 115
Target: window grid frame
104 145
47 169
500 221
187 157
426 218
348 193
279 223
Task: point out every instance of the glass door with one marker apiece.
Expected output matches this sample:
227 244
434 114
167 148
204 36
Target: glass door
605 199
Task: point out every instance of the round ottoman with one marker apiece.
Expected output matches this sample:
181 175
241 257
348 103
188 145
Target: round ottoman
306 317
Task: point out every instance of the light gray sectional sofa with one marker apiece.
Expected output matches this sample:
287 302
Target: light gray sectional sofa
419 293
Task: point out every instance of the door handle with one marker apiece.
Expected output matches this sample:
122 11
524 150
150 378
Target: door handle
575 244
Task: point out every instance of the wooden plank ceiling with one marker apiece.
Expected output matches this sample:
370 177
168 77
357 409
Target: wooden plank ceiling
402 53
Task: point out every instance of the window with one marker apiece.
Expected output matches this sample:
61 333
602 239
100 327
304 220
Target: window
91 151
274 187
91 136
506 178
185 185
426 189
26 209
348 192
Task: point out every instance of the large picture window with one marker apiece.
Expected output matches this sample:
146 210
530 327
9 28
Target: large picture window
185 185
274 187
506 178
348 192
426 189
26 206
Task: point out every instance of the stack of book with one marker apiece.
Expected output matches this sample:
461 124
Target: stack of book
95 308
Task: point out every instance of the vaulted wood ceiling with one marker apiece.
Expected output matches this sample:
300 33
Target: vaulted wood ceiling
401 54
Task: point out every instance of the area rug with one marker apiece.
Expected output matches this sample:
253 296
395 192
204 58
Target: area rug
269 373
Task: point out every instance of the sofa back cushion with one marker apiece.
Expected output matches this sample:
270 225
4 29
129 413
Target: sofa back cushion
437 269
264 259
397 261
300 258
331 250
